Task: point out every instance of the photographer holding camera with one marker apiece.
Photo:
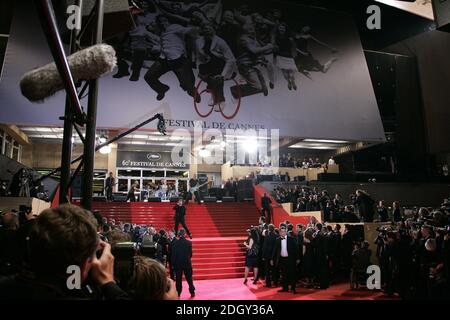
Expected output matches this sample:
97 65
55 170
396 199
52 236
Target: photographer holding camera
446 258
60 238
9 248
365 205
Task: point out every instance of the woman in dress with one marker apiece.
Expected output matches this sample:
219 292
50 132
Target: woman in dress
307 266
251 258
382 211
285 55
131 193
304 60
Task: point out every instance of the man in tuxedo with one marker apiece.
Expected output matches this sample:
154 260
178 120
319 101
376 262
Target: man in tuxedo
265 205
228 188
109 185
267 253
365 204
285 257
319 244
262 223
181 262
172 240
180 214
234 189
300 241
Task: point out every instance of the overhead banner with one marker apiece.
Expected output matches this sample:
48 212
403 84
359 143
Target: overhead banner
139 159
231 65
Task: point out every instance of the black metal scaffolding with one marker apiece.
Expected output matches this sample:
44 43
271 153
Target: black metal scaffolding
91 123
75 116
66 154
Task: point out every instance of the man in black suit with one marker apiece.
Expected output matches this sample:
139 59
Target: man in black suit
267 253
180 214
109 185
365 204
181 262
319 244
300 241
285 257
234 189
172 240
228 188
266 210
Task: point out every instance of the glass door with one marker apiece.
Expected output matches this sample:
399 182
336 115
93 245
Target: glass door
148 188
182 187
126 177
171 188
123 185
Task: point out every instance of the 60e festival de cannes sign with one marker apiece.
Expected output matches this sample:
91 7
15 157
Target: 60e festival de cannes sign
136 159
229 64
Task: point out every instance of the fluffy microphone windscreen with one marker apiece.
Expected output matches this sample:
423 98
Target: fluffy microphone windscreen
87 64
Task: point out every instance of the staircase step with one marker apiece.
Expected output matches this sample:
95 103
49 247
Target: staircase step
219 230
218 259
214 265
219 270
215 248
218 254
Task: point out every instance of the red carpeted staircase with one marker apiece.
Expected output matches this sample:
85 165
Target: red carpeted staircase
218 229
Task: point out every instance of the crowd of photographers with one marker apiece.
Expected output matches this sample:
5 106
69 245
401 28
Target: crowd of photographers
71 253
360 207
412 246
291 161
68 252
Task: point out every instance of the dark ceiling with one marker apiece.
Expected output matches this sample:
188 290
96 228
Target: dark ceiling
396 24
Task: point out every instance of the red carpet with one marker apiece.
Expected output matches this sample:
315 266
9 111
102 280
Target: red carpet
218 253
234 289
218 229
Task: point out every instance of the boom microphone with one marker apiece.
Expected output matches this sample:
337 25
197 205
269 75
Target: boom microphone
87 64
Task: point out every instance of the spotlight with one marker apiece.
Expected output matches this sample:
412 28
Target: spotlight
250 145
204 153
105 150
102 139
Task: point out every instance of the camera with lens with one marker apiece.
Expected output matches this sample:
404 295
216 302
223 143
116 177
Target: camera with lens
417 225
24 211
24 208
445 230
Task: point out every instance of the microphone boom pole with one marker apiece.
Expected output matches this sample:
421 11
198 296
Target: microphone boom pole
48 22
66 149
161 128
91 123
